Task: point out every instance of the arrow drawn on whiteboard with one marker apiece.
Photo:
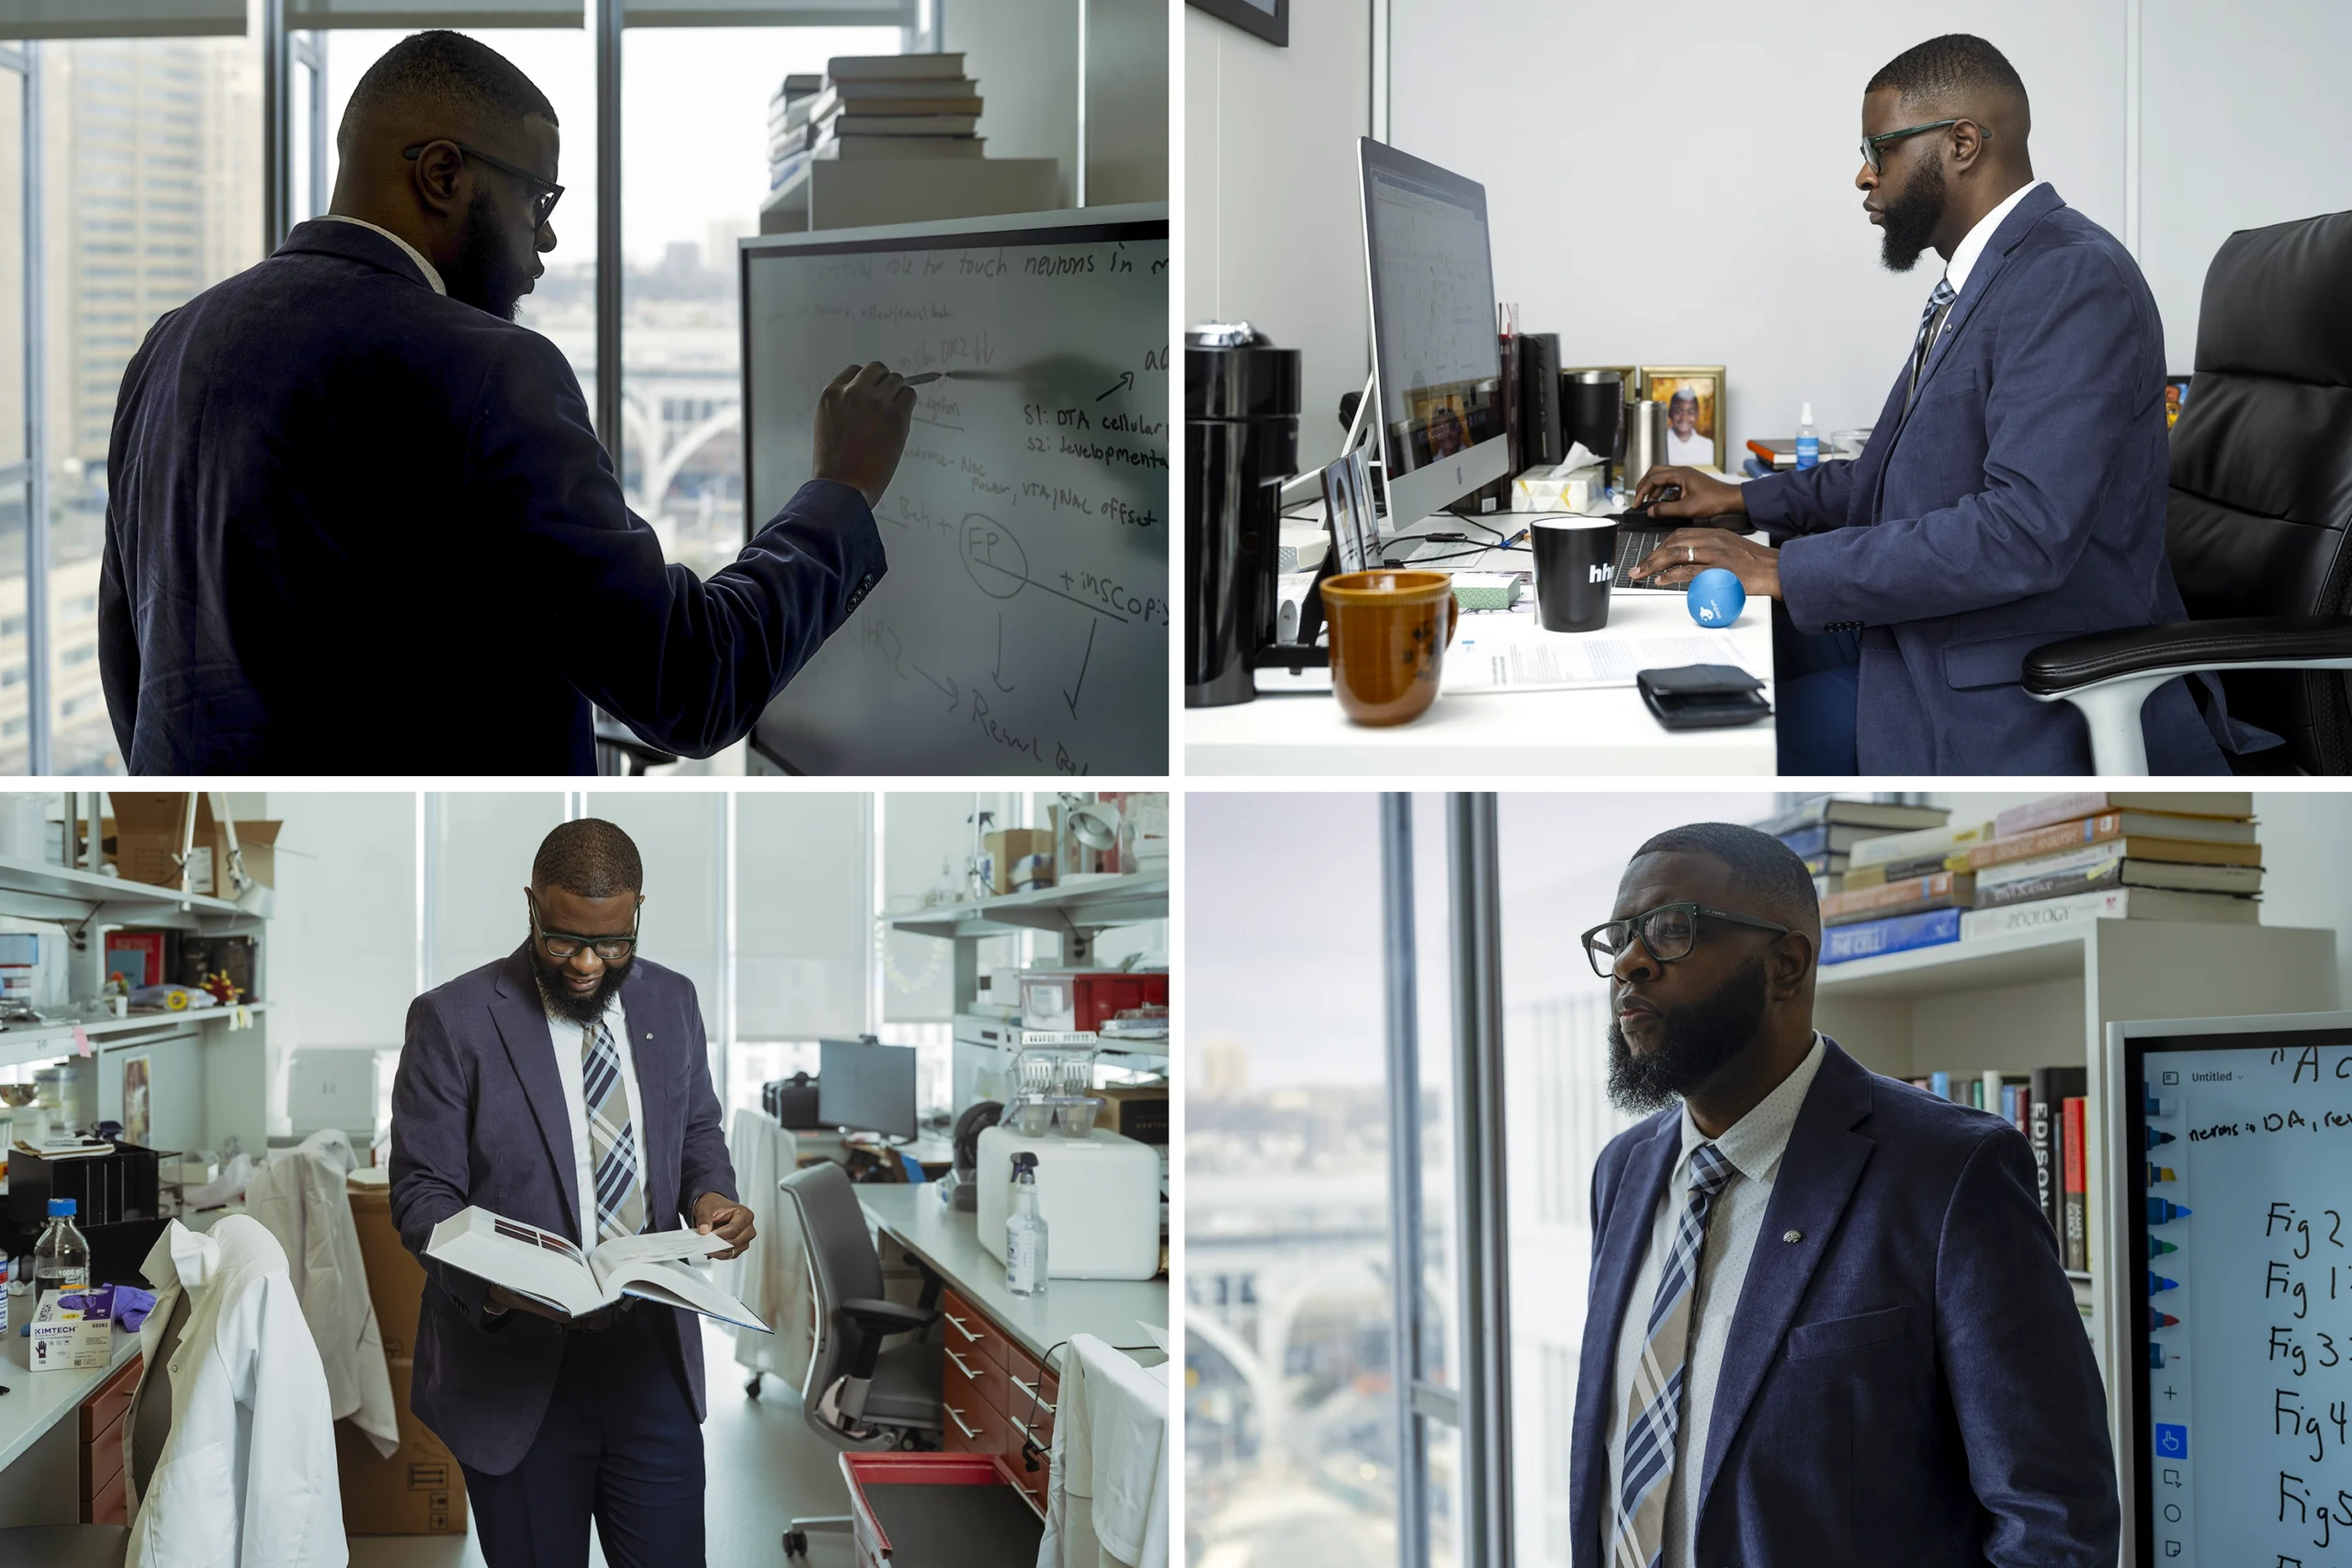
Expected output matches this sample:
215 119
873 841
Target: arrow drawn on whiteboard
1071 697
997 674
1126 380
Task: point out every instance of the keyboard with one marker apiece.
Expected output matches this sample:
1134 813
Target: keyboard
1632 545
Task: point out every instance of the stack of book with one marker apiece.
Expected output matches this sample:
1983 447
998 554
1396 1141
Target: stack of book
1826 831
896 106
2118 854
788 132
2051 1107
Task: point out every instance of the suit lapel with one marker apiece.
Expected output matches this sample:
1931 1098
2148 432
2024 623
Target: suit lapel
1824 1160
651 1033
521 1022
1624 1240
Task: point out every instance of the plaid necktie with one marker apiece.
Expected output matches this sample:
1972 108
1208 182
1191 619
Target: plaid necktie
1654 1403
612 1142
1930 321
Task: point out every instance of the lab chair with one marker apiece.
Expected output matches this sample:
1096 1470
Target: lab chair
2258 517
105 1546
858 1395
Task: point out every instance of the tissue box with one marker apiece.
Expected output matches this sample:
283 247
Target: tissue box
1555 489
72 1338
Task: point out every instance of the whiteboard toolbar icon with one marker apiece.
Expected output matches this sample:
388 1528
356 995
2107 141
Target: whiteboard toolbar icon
2172 1441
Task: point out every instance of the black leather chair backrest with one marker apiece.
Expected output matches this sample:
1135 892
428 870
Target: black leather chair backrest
840 1255
2261 476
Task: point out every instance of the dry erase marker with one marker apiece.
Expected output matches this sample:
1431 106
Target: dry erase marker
2157 1137
2158 1249
2161 1173
2157 1284
2155 1358
2160 1320
2162 1210
926 375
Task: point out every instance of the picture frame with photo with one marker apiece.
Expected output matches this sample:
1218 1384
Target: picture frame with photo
1269 19
1696 434
2176 397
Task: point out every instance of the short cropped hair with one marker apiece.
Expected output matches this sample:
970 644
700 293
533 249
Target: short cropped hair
1761 866
442 64
1957 64
591 858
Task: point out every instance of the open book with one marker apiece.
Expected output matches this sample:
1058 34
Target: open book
551 1271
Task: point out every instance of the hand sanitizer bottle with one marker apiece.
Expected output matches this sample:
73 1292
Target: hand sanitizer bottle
1024 1233
1808 440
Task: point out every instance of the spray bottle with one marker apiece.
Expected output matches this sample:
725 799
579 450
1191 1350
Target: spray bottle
1024 1233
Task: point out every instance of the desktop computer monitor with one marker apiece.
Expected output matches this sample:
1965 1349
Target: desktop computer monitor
866 1088
1434 352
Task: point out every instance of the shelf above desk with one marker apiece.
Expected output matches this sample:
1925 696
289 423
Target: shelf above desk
1110 901
21 1044
37 890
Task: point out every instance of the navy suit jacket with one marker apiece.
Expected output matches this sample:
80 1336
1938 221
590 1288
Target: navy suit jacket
2020 502
355 526
1908 1383
478 1118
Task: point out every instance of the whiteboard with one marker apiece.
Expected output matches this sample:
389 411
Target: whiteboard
2236 1426
1023 626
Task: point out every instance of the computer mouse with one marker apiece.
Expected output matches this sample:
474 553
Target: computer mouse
1641 513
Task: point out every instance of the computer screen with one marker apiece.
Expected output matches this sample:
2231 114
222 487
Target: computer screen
866 1088
2227 1143
1433 340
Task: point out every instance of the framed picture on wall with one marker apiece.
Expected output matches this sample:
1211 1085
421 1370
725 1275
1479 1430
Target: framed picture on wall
1693 396
1270 19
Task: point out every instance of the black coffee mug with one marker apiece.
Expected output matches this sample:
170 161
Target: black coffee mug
1576 563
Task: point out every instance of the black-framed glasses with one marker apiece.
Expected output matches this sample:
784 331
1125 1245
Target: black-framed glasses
545 194
1668 933
1871 144
562 945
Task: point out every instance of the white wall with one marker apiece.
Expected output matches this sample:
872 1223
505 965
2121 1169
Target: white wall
1272 234
1126 101
1023 54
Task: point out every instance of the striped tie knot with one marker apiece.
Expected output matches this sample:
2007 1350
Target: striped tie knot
1710 1171
1943 296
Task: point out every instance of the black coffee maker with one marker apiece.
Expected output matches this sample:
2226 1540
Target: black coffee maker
1241 400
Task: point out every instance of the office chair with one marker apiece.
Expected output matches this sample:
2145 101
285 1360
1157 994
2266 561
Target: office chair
2256 517
105 1546
858 1394
621 754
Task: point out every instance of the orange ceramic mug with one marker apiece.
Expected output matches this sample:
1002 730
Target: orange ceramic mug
1389 634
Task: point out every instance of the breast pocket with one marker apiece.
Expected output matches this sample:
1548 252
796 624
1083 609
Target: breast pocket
1830 1337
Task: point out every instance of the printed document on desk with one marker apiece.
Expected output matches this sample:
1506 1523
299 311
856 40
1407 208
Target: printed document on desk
550 1268
1514 653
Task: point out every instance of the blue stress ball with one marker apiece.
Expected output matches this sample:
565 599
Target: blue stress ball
1716 598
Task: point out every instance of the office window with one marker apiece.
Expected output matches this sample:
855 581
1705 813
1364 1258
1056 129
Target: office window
1561 857
562 61
1291 1411
693 173
14 487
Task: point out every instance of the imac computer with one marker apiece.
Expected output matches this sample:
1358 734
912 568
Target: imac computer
1435 357
863 1086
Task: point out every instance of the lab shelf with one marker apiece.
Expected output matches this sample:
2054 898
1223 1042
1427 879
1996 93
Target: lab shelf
1087 905
37 890
21 1044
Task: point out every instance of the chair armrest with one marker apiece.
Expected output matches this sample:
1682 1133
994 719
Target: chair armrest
611 732
2055 668
885 1317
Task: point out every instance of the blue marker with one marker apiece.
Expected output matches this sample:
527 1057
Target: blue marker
2158 1137
2162 1210
2157 1284
2158 1106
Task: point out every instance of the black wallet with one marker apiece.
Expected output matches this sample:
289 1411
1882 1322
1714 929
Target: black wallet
1703 696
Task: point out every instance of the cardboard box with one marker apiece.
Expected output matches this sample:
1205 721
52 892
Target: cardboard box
70 1338
142 838
395 1278
1019 859
418 1491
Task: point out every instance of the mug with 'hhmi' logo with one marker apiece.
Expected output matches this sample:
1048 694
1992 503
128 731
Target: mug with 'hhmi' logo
1575 565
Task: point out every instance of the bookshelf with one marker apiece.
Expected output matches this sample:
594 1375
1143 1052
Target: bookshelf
2045 998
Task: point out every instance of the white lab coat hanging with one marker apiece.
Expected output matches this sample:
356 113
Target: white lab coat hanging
247 1477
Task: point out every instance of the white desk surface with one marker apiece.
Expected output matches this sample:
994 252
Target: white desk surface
37 1401
1605 731
1111 1310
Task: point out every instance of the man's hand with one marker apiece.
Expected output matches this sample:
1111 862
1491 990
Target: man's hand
730 1219
862 422
1704 495
1690 551
499 1298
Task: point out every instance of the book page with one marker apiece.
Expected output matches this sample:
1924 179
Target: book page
536 1263
678 1284
612 1257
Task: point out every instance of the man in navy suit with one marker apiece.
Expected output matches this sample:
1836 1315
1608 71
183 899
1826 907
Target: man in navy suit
358 521
2012 492
1827 1322
566 1087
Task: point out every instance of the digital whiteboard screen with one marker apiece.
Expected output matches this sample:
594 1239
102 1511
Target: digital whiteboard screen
1024 624
2232 1271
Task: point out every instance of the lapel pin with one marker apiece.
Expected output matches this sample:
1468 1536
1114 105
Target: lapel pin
1793 1236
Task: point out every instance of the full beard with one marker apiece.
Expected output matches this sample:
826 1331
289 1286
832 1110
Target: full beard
484 275
1908 221
559 997
1696 1040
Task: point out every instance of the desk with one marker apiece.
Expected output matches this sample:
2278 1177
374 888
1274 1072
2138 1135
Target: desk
949 1244
40 1441
1606 731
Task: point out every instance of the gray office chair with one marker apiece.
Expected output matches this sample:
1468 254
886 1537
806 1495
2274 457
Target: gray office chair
105 1546
858 1394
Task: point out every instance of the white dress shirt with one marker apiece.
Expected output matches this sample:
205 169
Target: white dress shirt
1971 244
1753 1146
1699 450
566 1037
432 273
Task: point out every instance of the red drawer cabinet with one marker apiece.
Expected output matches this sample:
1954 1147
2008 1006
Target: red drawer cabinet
105 1498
